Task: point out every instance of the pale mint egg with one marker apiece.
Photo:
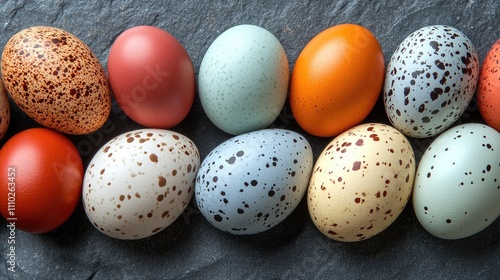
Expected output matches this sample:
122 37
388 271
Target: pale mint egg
243 79
457 187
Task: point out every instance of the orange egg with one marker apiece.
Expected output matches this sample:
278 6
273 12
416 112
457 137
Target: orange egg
488 89
336 80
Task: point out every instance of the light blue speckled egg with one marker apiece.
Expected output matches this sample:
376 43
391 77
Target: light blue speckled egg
253 181
243 79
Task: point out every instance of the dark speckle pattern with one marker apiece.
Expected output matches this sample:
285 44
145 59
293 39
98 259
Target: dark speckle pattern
4 111
361 182
56 79
128 200
457 186
430 80
252 182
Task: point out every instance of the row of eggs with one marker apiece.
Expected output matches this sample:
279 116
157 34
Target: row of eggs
244 80
359 184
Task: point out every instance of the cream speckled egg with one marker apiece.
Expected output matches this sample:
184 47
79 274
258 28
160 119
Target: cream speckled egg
139 182
56 80
243 79
361 182
4 111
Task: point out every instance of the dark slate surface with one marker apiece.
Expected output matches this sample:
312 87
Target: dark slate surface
191 248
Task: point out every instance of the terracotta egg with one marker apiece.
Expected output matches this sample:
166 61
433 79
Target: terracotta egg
56 79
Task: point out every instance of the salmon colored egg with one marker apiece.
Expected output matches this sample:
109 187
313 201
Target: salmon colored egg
488 90
152 76
42 175
336 80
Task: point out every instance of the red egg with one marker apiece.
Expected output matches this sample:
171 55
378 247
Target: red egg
488 90
152 77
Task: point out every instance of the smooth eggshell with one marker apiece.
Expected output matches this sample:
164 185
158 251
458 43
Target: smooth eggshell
139 182
250 183
336 80
488 89
430 80
4 111
243 79
56 80
457 186
152 76
361 182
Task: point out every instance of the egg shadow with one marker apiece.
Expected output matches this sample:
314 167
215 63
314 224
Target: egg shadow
278 236
391 237
488 238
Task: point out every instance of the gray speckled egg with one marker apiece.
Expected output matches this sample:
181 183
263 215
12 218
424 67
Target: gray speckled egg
139 182
243 79
430 80
252 182
457 186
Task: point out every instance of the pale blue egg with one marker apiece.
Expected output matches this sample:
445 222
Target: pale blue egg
243 79
252 182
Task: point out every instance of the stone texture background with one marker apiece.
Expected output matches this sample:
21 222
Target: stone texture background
191 248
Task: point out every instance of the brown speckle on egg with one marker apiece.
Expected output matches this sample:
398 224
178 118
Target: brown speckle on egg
350 199
4 111
56 80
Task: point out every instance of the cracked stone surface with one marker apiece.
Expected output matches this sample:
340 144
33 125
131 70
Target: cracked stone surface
191 248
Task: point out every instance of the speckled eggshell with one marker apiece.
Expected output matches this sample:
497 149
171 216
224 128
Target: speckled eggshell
430 80
243 79
139 182
457 186
250 183
361 182
56 80
4 111
488 89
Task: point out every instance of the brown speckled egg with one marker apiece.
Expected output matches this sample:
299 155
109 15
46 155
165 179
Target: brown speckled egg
140 182
361 182
56 79
4 111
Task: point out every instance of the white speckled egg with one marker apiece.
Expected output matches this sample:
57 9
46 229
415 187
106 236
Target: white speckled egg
252 182
4 111
243 79
430 80
361 182
457 186
140 182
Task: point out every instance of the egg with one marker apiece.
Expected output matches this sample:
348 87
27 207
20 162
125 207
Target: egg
361 182
56 80
430 80
488 89
4 111
457 186
336 80
152 76
253 181
140 182
243 79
